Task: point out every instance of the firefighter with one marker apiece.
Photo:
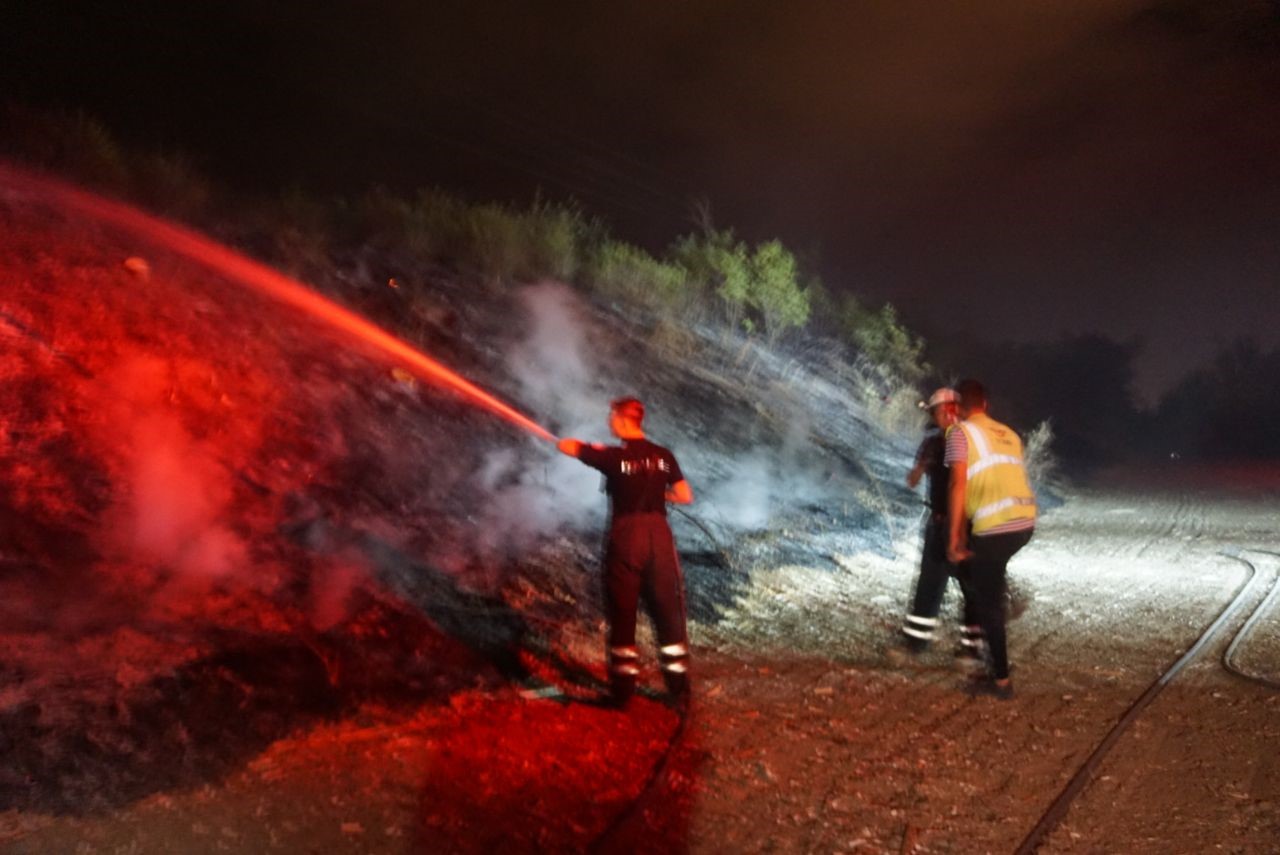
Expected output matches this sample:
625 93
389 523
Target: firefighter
640 559
931 584
992 515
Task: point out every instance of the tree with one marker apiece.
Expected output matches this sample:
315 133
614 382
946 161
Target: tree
1227 410
774 289
882 338
718 261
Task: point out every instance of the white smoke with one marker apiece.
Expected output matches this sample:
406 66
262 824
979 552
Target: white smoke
559 366
175 495
562 364
743 499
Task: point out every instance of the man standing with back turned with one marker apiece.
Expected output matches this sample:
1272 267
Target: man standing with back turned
992 515
640 555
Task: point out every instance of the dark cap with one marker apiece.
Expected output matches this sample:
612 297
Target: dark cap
972 393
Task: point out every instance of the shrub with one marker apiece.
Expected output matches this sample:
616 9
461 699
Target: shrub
716 262
70 143
775 290
1038 456
382 219
436 226
495 240
882 339
757 288
824 310
300 227
82 149
555 236
623 272
170 184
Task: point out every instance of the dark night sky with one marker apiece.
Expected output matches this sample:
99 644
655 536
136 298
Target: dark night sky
1004 168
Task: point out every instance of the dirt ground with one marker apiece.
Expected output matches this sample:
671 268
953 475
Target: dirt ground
409 724
805 737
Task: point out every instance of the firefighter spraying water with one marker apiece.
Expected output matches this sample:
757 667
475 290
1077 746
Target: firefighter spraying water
640 560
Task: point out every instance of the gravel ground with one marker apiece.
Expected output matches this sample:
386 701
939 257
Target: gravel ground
806 738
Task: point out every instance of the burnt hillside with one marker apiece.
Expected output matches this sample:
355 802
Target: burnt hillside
217 506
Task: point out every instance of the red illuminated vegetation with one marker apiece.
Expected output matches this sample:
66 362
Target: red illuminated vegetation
192 476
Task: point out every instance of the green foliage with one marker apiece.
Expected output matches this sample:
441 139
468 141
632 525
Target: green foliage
757 288
709 272
502 242
717 263
556 237
883 339
436 225
496 241
775 290
629 274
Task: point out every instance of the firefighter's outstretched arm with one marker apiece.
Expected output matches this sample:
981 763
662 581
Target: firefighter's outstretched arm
570 447
680 493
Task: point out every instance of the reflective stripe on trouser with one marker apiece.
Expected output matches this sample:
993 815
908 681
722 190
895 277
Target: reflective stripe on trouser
971 636
931 582
624 661
641 565
674 658
920 627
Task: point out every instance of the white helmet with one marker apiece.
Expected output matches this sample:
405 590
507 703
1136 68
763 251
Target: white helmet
945 395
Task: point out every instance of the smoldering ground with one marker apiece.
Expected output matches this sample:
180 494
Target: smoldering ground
219 510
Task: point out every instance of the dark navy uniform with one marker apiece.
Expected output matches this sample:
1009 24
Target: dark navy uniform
640 561
935 569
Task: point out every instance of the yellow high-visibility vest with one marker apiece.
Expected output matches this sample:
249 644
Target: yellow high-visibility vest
997 490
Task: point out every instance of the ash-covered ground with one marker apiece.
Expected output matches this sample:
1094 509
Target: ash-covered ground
264 590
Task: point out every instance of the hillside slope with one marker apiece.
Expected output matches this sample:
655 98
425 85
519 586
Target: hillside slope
217 507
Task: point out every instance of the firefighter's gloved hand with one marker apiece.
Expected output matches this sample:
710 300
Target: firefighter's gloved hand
570 447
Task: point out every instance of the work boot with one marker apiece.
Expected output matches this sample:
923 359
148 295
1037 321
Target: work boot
906 650
621 689
1000 690
679 690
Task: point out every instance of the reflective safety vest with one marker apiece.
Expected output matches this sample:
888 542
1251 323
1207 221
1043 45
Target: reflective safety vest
997 492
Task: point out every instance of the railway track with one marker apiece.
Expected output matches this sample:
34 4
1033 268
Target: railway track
1243 595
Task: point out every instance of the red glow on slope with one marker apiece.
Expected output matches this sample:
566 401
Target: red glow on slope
264 279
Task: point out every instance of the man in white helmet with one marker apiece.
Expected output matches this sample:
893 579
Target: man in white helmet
920 626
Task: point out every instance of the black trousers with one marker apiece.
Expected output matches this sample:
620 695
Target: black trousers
641 564
982 578
931 585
